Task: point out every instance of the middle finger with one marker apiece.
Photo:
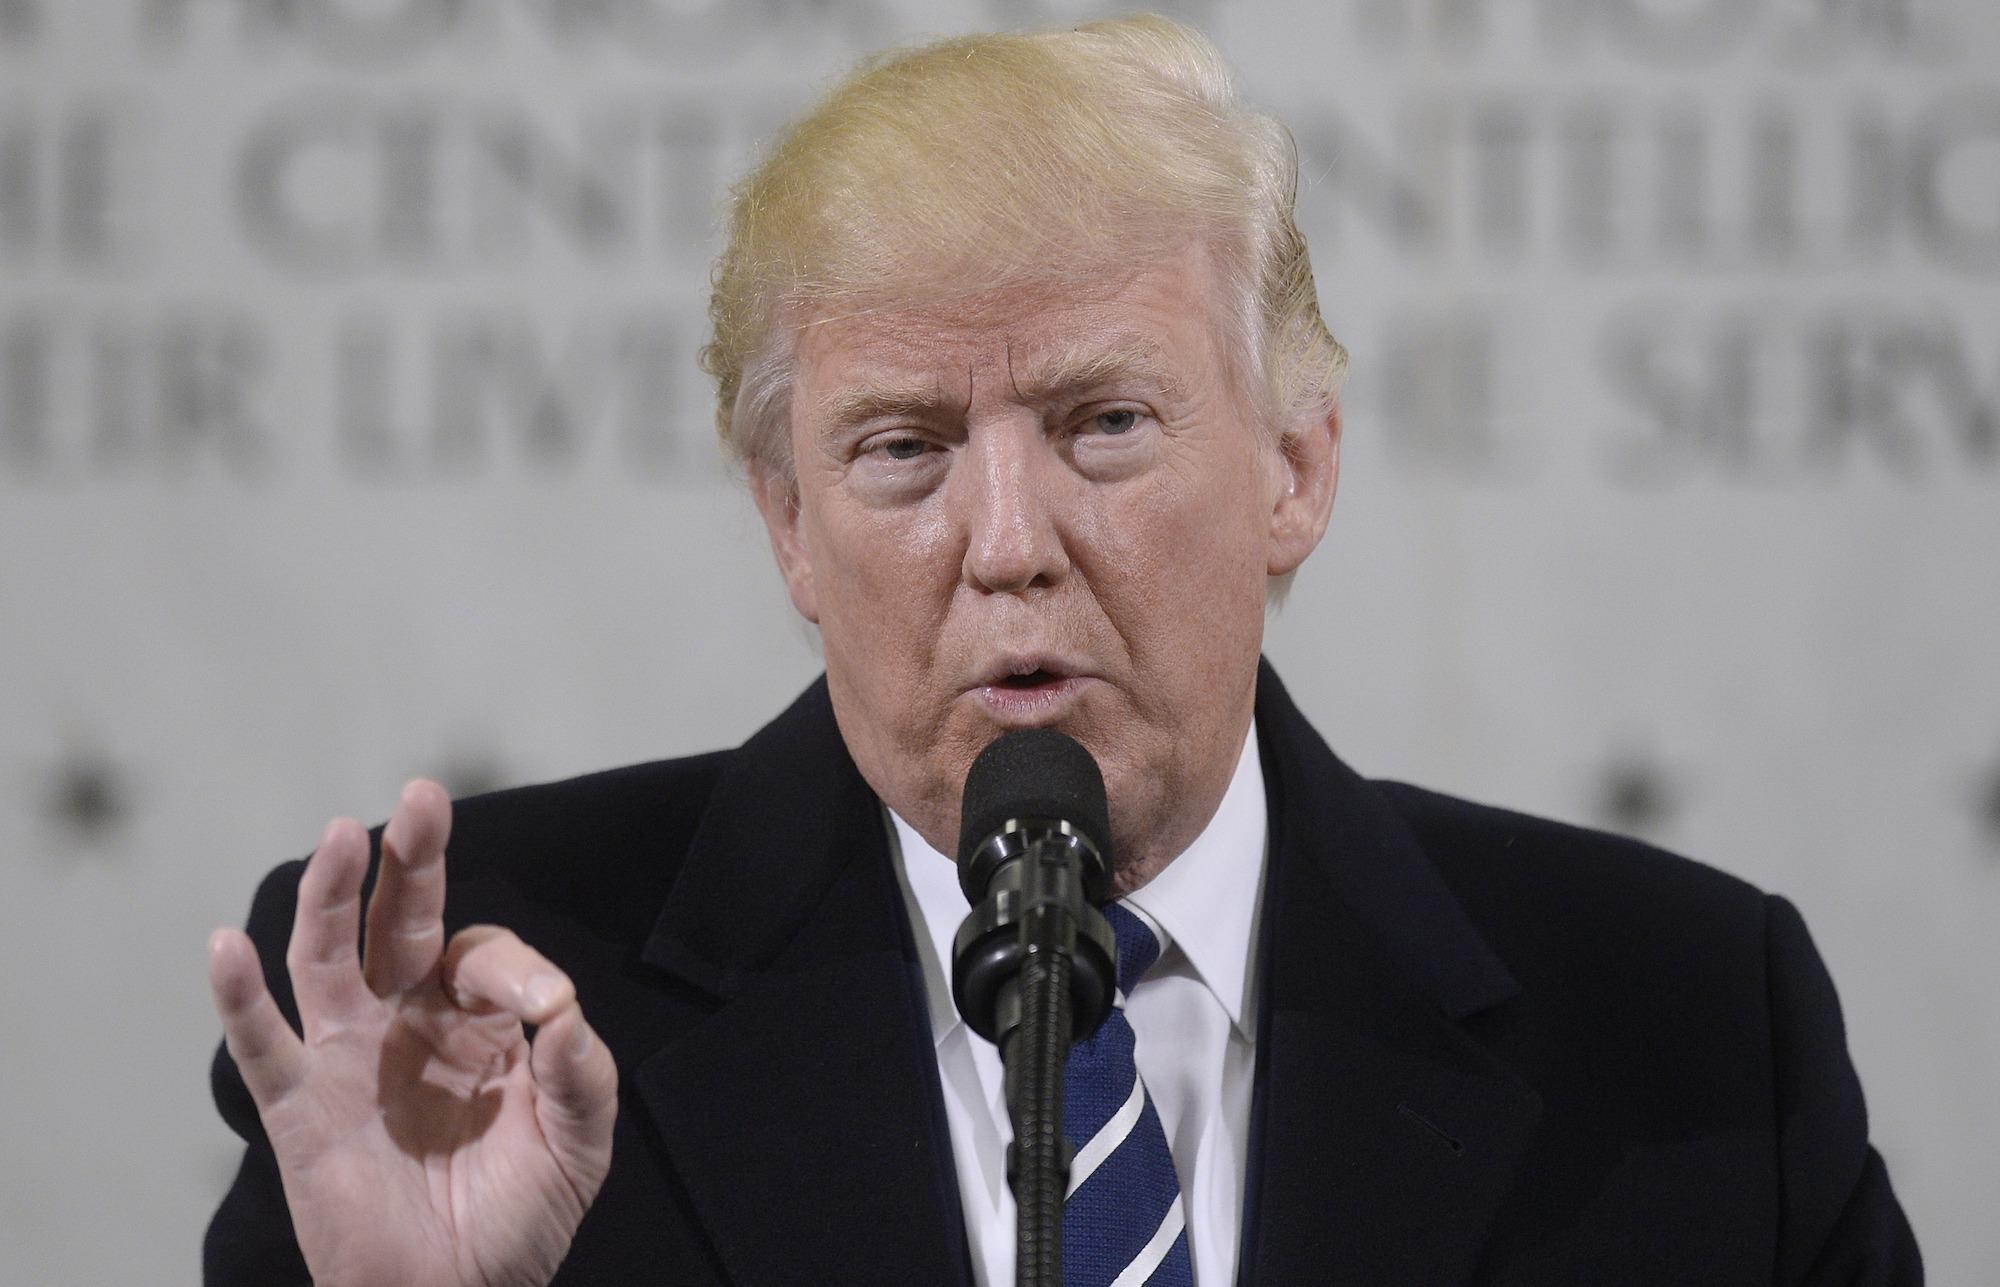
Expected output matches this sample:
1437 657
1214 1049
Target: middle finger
406 913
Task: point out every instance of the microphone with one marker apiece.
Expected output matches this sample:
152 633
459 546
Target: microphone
1034 850
1034 967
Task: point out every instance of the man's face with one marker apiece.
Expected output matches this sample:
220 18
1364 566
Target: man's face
1043 508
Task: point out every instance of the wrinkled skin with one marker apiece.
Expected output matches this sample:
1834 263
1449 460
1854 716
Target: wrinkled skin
1070 480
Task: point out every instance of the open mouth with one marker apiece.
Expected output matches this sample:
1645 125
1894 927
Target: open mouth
1033 679
1031 697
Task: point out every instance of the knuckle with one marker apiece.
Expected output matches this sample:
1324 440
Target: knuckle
421 933
473 935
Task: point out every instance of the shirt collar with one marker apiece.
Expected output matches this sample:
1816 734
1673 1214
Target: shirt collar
1205 899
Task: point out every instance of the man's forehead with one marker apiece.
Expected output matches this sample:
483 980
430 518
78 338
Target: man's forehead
1023 361
1132 366
1029 348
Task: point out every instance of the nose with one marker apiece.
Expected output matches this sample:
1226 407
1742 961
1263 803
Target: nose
1010 488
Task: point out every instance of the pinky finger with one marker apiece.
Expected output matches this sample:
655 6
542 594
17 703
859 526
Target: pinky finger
266 1050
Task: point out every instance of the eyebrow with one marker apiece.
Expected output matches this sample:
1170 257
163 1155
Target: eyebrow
871 401
1045 379
1087 367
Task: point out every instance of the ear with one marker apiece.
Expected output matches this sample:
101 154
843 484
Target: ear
1309 470
777 496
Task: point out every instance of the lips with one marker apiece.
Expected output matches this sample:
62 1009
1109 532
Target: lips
1030 690
1033 679
1025 671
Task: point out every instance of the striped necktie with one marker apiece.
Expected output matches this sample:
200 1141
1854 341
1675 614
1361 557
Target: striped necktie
1123 1223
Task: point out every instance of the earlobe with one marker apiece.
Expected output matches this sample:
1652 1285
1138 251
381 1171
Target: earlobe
777 497
1310 465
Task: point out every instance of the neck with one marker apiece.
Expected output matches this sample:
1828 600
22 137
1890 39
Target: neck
1183 815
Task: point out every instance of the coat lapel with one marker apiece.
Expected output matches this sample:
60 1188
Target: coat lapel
1383 1136
803 1115
804 1118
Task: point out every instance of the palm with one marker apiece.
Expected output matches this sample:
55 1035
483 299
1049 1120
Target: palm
424 1117
422 1140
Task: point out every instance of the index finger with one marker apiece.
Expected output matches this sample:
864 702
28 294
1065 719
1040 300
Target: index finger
406 913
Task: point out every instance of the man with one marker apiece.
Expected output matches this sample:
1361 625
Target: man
1018 344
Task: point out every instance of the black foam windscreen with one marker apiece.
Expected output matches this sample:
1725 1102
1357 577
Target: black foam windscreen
1034 773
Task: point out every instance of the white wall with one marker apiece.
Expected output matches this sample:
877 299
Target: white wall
349 429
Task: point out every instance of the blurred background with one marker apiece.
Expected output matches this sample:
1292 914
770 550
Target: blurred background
350 429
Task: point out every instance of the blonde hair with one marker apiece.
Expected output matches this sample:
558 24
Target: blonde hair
989 162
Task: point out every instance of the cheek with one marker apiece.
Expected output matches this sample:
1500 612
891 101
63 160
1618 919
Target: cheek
881 576
1181 572
1193 533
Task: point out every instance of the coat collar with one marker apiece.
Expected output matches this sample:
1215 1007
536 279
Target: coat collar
805 1119
778 875
803 1116
1383 1136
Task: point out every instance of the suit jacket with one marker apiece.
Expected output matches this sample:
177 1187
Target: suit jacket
1492 1049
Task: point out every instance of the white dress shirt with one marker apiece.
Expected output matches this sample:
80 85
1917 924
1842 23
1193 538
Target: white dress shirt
1192 1016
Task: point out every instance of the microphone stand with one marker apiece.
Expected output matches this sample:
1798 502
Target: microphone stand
1034 1054
1040 960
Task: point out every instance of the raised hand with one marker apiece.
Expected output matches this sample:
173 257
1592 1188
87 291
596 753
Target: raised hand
423 1142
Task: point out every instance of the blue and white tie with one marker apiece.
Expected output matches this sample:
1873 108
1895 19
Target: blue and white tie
1123 1222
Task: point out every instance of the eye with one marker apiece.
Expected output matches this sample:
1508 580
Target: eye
1115 421
899 447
